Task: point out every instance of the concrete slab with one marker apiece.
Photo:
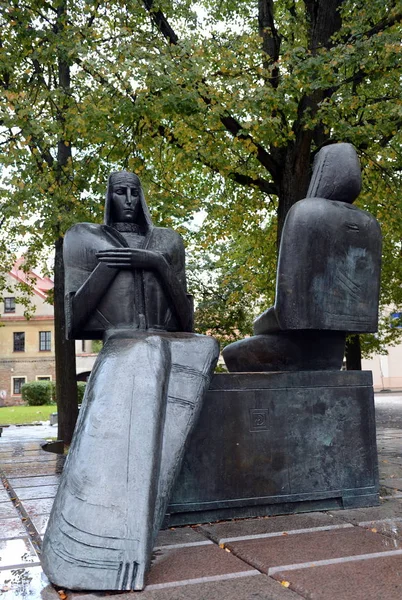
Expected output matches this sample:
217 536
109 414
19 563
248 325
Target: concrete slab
18 445
37 492
23 482
38 507
36 458
16 552
7 511
250 527
395 484
28 433
257 587
389 527
26 583
40 523
308 547
180 536
374 579
388 509
183 564
28 469
4 497
11 528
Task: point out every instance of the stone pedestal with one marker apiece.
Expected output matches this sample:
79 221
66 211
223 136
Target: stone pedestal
282 442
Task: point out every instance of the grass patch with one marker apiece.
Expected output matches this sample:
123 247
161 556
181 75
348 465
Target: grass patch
15 415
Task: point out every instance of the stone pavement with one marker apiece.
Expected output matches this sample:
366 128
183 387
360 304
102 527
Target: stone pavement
342 555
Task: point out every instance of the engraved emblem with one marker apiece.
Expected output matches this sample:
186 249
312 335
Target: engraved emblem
258 419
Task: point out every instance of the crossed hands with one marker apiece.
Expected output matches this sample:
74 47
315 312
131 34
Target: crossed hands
130 258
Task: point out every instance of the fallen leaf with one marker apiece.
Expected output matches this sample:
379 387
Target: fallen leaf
221 545
227 550
374 530
62 594
285 583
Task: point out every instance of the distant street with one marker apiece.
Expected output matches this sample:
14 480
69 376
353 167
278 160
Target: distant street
388 408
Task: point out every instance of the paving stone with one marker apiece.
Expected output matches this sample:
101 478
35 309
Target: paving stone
7 510
40 523
374 579
28 469
390 527
26 584
15 460
4 497
245 527
180 535
17 452
16 552
306 547
180 564
37 492
388 509
11 528
38 507
395 484
259 587
20 482
8 446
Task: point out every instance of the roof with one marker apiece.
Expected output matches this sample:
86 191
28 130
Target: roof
41 285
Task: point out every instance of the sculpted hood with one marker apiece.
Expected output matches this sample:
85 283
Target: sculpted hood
336 174
143 219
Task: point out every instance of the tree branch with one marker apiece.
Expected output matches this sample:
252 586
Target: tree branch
161 22
271 40
265 186
230 123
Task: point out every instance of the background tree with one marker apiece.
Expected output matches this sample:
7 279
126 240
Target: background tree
219 110
256 100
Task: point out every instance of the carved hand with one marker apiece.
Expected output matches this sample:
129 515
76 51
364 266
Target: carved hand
131 258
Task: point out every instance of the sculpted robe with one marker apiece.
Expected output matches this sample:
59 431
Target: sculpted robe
141 403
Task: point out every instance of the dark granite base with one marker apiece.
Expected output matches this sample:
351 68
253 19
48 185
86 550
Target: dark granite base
275 443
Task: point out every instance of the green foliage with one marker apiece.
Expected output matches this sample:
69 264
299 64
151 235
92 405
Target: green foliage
97 346
37 393
220 115
81 385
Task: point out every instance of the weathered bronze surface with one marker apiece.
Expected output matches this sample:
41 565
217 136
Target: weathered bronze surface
126 284
328 276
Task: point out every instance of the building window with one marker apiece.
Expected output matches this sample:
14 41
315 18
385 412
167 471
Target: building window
18 382
43 378
9 305
19 341
45 340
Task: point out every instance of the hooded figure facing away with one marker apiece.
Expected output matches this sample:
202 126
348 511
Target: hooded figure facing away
126 284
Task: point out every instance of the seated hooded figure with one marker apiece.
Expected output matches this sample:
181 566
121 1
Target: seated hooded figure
126 284
328 276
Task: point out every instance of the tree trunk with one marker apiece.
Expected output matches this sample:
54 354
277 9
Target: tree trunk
66 385
353 354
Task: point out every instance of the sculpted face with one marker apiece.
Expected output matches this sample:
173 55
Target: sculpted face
125 198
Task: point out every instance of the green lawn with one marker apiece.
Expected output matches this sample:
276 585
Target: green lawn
14 415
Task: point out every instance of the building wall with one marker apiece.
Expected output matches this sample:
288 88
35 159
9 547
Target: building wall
32 363
387 369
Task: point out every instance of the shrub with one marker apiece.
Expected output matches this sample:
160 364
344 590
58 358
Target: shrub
37 393
81 385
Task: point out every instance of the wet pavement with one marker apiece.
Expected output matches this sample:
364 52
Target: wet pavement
346 554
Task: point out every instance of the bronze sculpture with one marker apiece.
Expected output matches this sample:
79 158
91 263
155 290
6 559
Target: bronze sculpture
125 282
328 276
